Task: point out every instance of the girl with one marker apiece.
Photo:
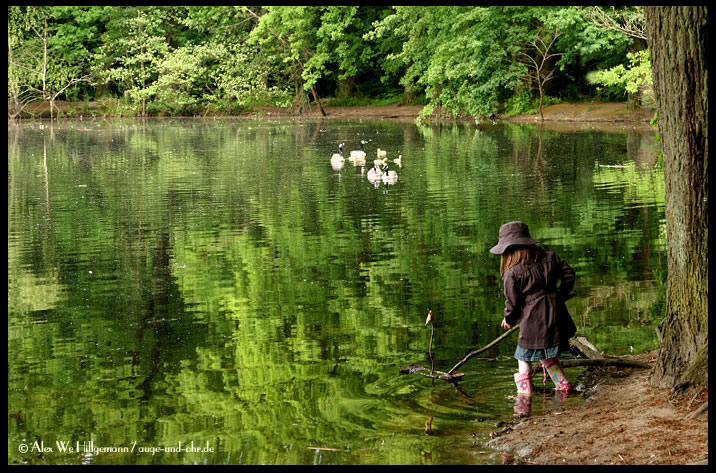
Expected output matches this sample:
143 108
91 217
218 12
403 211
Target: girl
535 301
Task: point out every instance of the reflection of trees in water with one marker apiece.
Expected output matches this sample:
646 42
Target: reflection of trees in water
621 317
258 292
634 300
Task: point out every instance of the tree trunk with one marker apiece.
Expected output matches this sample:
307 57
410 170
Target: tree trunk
678 45
300 94
408 94
345 88
541 95
318 101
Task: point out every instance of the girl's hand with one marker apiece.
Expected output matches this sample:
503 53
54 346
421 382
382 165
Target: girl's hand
505 325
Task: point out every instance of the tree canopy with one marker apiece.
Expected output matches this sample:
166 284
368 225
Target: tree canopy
456 60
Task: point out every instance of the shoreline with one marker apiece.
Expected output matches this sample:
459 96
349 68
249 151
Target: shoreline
623 421
557 117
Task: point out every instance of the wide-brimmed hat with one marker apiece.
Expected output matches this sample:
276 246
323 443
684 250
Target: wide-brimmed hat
512 233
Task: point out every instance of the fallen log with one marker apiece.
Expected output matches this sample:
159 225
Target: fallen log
583 347
575 362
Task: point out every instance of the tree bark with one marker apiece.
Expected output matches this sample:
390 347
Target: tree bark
345 88
678 48
408 94
318 101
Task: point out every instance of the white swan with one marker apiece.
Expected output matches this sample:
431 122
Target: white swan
374 174
337 159
389 177
359 153
357 161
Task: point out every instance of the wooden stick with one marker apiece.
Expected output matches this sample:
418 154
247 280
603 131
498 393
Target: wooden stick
486 347
430 345
566 363
430 348
703 408
437 374
570 363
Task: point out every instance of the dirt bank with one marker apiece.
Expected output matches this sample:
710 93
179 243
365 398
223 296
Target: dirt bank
624 420
559 117
364 112
597 112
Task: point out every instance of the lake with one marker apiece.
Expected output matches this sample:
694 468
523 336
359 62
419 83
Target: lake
215 292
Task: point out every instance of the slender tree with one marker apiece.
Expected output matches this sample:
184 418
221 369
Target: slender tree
538 65
678 45
36 70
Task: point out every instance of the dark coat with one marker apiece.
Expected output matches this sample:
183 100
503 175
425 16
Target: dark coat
536 302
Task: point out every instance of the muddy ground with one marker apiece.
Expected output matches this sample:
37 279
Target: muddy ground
623 421
559 117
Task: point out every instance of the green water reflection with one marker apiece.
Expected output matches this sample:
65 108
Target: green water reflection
217 282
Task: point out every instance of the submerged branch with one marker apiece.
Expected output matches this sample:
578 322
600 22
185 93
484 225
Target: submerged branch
427 373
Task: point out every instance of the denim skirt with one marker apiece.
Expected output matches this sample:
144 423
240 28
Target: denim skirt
536 354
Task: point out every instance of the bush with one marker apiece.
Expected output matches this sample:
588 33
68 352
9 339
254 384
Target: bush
520 104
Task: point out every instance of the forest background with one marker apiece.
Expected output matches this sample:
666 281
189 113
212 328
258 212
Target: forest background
457 61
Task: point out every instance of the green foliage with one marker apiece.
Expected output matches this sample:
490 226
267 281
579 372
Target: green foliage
630 78
457 55
520 104
461 60
45 56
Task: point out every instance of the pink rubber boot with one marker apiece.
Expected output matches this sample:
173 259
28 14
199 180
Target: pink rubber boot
553 368
523 402
523 381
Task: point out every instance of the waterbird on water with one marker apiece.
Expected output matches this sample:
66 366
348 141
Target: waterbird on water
357 161
357 157
359 153
339 154
374 174
389 177
337 159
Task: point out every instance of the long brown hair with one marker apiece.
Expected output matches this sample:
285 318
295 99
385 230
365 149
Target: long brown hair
515 255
